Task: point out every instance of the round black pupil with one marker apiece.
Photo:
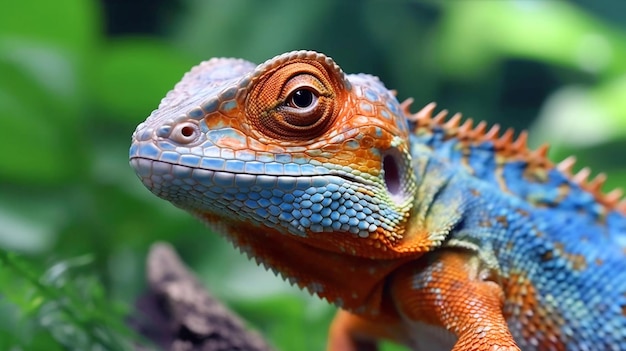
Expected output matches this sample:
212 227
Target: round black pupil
302 98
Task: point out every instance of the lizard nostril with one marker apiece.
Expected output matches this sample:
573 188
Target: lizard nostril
185 133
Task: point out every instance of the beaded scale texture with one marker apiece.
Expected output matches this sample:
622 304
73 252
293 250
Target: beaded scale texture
424 230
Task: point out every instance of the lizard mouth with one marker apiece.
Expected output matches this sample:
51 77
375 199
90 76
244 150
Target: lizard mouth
316 203
147 168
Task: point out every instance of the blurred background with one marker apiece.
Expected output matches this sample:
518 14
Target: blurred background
77 76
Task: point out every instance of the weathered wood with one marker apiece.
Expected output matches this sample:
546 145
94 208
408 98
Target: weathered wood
179 314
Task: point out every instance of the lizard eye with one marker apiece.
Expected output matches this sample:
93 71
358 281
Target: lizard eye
303 108
296 101
302 98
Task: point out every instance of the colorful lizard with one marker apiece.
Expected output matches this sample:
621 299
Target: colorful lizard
430 232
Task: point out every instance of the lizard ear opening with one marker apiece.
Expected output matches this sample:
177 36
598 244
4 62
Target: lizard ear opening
393 176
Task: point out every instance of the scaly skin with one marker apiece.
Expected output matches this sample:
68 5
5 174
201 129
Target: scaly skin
431 233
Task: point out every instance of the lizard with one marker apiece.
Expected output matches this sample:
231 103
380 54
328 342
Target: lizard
427 230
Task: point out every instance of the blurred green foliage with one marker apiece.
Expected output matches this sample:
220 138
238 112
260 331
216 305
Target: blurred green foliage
77 76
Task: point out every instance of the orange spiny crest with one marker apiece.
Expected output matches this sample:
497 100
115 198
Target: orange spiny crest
465 130
493 132
513 149
567 165
480 129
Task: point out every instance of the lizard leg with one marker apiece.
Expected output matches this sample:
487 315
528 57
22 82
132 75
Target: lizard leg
350 332
455 291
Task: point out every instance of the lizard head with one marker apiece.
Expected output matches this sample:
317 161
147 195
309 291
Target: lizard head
292 147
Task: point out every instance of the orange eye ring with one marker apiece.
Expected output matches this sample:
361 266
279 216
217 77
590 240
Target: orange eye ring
294 101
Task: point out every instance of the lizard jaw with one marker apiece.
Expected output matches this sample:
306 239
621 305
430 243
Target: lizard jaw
303 205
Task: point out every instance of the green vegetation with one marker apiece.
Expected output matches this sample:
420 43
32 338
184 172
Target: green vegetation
75 224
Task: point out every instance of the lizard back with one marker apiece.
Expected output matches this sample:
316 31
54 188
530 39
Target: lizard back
557 243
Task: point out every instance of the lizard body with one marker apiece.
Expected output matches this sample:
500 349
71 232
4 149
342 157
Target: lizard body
430 232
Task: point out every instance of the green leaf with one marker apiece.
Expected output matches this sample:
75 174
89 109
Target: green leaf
67 306
477 34
583 116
